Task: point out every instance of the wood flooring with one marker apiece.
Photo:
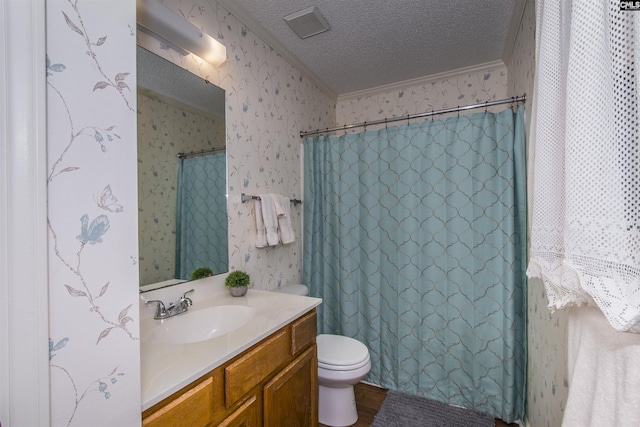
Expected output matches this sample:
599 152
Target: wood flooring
369 399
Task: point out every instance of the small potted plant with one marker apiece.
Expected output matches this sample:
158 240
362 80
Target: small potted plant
237 282
201 272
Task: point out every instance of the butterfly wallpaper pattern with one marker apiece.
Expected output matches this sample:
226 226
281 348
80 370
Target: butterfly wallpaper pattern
91 170
92 185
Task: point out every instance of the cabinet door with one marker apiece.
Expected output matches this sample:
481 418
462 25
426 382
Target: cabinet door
291 397
245 416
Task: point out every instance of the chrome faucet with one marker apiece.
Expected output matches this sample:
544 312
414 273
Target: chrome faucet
179 307
185 300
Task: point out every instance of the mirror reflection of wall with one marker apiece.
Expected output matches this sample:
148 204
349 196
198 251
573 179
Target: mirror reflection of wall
168 124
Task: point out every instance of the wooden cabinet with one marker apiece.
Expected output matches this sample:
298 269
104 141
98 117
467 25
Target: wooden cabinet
247 415
290 397
273 384
255 365
191 408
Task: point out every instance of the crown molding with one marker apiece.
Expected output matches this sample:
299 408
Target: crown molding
487 66
241 15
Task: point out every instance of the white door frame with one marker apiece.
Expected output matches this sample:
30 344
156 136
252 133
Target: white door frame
24 308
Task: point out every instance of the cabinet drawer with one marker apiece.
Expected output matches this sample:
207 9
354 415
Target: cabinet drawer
252 368
303 331
192 408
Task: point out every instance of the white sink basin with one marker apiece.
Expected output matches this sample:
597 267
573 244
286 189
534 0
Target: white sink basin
202 324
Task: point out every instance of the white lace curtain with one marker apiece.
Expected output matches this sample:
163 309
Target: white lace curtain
585 242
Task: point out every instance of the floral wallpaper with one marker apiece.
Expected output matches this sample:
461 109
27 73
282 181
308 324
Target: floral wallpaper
164 130
268 102
92 217
547 376
457 89
92 213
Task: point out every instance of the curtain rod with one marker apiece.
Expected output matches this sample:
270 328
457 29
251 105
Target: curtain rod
416 116
200 153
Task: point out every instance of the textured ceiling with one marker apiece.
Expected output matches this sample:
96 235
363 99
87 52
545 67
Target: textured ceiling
378 42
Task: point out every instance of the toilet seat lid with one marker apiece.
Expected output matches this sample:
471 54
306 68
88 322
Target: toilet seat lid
338 352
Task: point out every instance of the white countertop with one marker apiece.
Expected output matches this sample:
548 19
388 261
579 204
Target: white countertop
166 368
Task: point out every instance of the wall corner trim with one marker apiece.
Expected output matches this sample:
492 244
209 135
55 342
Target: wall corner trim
24 302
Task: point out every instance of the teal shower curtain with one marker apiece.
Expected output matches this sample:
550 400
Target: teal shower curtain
201 215
415 239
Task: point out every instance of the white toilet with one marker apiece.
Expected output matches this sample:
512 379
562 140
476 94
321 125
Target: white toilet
342 363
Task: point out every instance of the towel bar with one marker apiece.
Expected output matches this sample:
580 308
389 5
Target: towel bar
246 198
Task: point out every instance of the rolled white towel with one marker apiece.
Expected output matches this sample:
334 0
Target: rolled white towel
285 230
261 233
270 218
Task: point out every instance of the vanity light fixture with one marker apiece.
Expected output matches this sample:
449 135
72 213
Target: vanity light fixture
157 19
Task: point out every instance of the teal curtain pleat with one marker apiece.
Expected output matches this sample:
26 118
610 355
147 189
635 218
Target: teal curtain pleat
415 239
201 213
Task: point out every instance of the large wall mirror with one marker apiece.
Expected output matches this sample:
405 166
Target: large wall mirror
182 198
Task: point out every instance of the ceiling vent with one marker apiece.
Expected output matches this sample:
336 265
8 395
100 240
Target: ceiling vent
307 22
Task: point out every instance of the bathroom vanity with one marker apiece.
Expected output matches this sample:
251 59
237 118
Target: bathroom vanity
263 373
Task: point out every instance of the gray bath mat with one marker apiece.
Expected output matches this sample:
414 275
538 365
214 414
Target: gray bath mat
405 410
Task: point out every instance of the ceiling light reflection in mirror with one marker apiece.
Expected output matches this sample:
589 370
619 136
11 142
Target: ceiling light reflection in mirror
160 21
